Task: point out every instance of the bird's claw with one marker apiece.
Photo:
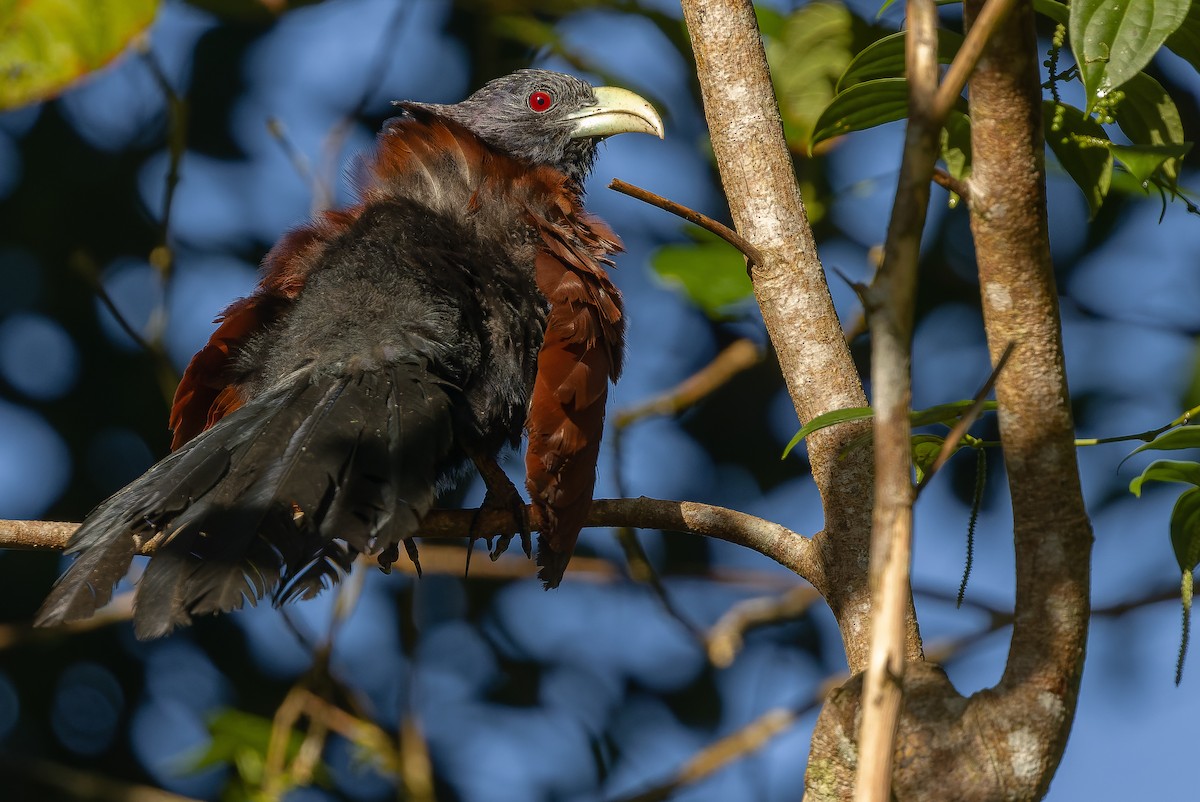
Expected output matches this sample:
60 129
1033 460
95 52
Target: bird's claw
509 500
516 506
503 495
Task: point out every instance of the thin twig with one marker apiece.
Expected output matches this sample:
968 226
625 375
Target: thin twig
725 638
950 444
636 559
162 257
362 733
738 356
964 62
721 753
692 216
73 783
890 309
416 767
732 360
84 265
283 724
164 372
331 148
948 182
278 131
744 742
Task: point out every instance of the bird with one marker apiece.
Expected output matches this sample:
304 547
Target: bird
462 299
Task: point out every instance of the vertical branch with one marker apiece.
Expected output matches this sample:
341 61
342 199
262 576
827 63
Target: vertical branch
1052 535
789 284
889 302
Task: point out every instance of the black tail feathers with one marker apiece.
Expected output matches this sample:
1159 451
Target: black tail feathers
278 497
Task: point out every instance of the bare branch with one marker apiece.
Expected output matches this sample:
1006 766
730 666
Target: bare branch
735 358
724 640
890 304
788 548
691 215
950 444
162 257
720 754
300 163
948 182
74 783
738 356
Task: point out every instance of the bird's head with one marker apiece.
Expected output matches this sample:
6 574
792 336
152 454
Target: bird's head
550 118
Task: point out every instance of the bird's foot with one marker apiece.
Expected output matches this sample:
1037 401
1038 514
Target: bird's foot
503 495
392 553
515 505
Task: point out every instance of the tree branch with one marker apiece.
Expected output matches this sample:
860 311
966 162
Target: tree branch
691 215
721 753
790 549
1053 538
725 638
789 284
890 303
77 783
738 356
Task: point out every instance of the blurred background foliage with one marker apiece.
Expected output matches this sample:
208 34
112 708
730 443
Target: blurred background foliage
137 203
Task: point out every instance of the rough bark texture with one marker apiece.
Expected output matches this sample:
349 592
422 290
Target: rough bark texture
757 175
1052 534
1003 743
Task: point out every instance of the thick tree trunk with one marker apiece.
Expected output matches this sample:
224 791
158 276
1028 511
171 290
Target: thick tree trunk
790 286
1003 743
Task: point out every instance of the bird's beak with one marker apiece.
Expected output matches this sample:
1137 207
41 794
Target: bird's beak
616 111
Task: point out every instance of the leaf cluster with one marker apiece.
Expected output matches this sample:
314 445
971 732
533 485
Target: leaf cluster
1111 44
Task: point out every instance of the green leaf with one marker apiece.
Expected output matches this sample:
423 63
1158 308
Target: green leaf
1183 437
710 272
863 105
947 414
233 734
1185 42
826 420
1149 117
811 49
1055 11
1185 529
925 450
1112 41
770 21
1185 596
885 58
956 148
1143 161
242 739
1082 149
1166 470
528 30
47 44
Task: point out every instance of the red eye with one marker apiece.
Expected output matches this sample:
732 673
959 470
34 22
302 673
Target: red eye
540 101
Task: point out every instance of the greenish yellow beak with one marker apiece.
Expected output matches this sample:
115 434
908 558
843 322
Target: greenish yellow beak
616 111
